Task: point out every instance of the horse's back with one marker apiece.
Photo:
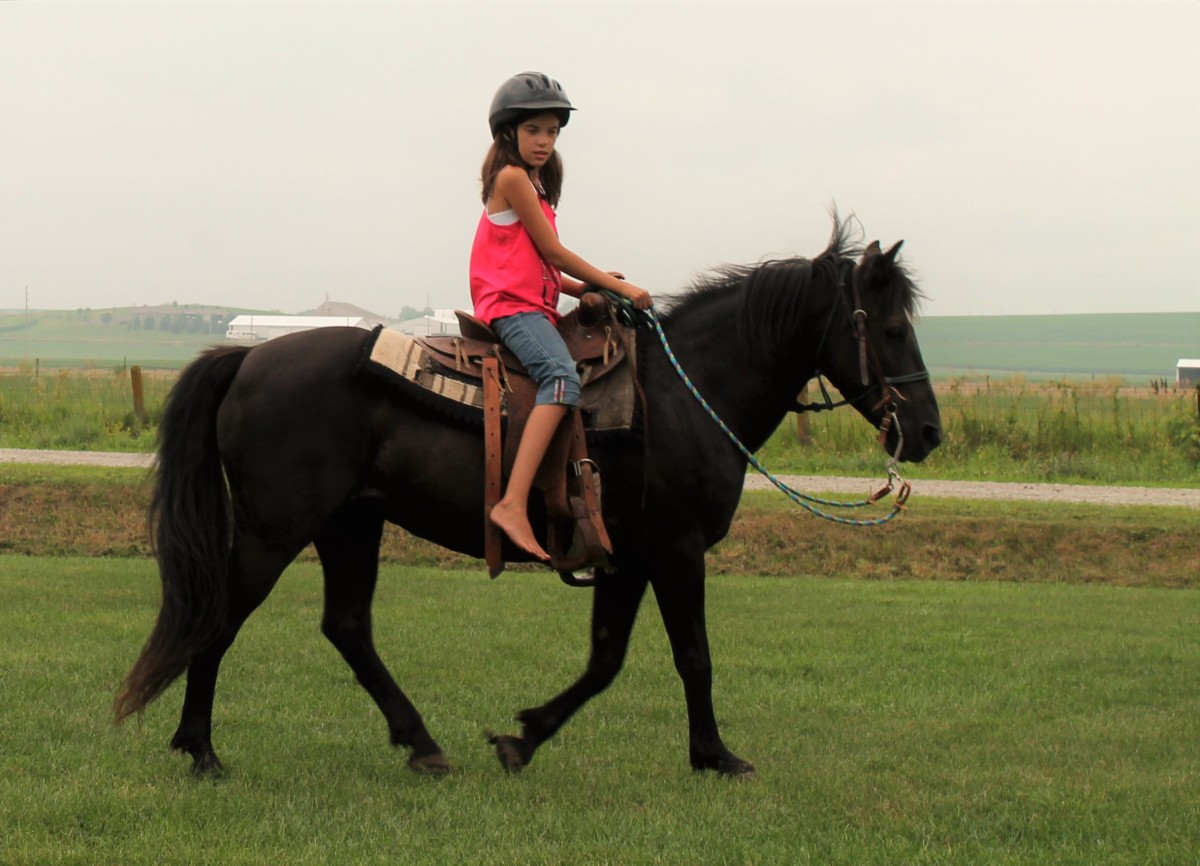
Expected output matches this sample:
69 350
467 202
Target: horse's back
302 431
305 358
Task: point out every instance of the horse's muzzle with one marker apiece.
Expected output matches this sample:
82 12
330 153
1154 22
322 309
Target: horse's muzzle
931 438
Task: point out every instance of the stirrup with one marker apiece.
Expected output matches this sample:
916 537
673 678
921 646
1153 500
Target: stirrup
583 577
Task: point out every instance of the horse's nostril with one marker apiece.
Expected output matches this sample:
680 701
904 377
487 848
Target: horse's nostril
933 435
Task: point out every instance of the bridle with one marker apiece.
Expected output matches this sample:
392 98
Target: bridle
869 366
868 361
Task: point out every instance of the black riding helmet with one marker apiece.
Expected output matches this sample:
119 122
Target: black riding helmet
525 94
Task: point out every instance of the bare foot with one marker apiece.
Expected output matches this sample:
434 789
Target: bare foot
515 523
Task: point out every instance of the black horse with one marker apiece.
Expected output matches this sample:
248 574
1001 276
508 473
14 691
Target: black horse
266 449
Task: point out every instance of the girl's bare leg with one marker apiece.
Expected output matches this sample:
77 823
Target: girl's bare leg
511 513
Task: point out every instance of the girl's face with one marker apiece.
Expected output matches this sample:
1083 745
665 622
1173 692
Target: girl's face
536 137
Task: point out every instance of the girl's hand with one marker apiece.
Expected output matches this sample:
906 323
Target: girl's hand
638 296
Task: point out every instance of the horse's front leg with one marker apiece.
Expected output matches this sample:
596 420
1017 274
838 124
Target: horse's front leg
679 590
614 608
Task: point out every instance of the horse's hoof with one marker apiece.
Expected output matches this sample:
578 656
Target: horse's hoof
736 769
430 765
510 752
207 765
729 766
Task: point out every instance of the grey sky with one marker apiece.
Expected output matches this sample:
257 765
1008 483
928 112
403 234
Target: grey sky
1036 157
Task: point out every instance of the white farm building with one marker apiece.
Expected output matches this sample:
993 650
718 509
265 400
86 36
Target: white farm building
260 328
438 323
1187 372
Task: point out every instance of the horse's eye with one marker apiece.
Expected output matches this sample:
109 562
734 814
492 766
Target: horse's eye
894 332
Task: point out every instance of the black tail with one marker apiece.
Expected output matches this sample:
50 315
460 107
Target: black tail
190 525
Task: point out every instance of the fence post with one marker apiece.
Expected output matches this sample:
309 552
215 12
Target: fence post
802 433
139 396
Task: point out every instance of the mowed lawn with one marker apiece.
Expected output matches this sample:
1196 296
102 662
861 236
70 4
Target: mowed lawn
891 722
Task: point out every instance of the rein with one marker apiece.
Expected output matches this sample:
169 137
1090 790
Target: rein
630 317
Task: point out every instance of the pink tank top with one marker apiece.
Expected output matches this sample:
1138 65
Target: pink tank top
508 273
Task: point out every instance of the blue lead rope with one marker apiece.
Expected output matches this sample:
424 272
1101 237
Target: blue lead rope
630 317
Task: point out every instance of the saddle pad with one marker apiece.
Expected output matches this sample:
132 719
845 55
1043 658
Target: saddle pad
404 356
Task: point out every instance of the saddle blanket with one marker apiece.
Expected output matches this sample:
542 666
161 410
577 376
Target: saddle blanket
404 356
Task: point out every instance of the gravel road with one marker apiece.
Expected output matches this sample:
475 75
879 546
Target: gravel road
1186 497
76 458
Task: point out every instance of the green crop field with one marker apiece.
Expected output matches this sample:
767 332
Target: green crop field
1138 346
171 337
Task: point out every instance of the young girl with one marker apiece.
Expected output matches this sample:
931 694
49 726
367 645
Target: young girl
517 266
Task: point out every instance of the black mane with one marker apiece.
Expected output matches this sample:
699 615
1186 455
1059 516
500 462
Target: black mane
770 296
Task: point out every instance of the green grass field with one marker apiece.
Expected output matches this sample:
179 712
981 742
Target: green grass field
1015 430
891 722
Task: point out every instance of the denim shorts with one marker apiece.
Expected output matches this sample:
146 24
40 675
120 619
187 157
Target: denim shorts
536 343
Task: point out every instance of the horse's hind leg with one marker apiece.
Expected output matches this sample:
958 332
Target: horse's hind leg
348 545
255 567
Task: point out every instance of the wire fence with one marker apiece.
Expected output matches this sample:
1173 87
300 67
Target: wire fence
97 408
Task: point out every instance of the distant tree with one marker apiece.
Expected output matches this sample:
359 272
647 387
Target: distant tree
407 313
106 318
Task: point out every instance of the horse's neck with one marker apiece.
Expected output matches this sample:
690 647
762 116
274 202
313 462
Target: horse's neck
750 394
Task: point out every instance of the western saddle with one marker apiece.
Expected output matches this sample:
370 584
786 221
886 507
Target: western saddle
568 480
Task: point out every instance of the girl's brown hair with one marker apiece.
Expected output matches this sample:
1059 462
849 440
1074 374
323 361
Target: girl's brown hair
504 152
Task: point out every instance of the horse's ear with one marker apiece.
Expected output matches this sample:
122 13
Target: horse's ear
872 270
867 265
890 255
